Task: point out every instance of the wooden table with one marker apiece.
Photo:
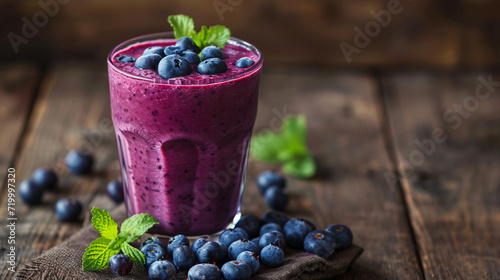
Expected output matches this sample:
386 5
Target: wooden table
418 184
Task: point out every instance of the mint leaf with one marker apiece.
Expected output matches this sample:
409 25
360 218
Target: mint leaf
266 146
200 38
287 147
294 134
294 127
284 146
116 243
136 255
303 167
134 227
102 222
216 35
182 25
97 255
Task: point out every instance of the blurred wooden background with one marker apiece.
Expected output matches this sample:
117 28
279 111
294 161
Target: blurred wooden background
429 33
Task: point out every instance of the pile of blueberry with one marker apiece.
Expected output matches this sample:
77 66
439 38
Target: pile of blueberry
235 256
180 59
45 179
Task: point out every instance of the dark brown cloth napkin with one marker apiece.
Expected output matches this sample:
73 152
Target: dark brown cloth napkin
64 262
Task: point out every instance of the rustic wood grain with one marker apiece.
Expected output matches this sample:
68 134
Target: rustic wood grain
17 89
452 190
344 123
74 102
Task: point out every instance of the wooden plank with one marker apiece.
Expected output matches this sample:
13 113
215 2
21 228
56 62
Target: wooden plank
17 89
344 124
71 111
449 161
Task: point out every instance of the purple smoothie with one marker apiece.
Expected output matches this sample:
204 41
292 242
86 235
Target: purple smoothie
183 142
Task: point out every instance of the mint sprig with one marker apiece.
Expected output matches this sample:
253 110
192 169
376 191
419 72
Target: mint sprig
110 243
135 226
182 25
216 35
287 147
135 254
104 224
97 255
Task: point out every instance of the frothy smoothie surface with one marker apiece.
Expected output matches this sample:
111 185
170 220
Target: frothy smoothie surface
231 54
183 146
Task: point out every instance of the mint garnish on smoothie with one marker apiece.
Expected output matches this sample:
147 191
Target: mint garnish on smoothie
110 243
192 52
216 35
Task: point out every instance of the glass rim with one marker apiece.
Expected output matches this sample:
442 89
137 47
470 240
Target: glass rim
169 35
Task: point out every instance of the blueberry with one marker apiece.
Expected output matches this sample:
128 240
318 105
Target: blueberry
240 246
148 61
176 241
211 52
212 66
191 57
208 253
79 162
311 224
161 270
222 253
230 235
173 50
183 258
125 58
30 192
152 252
251 259
173 66
120 264
320 243
197 244
342 235
274 217
45 178
151 240
269 178
276 198
154 50
256 240
186 43
295 231
270 227
204 271
244 62
272 256
236 270
68 209
250 224
115 191
274 237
